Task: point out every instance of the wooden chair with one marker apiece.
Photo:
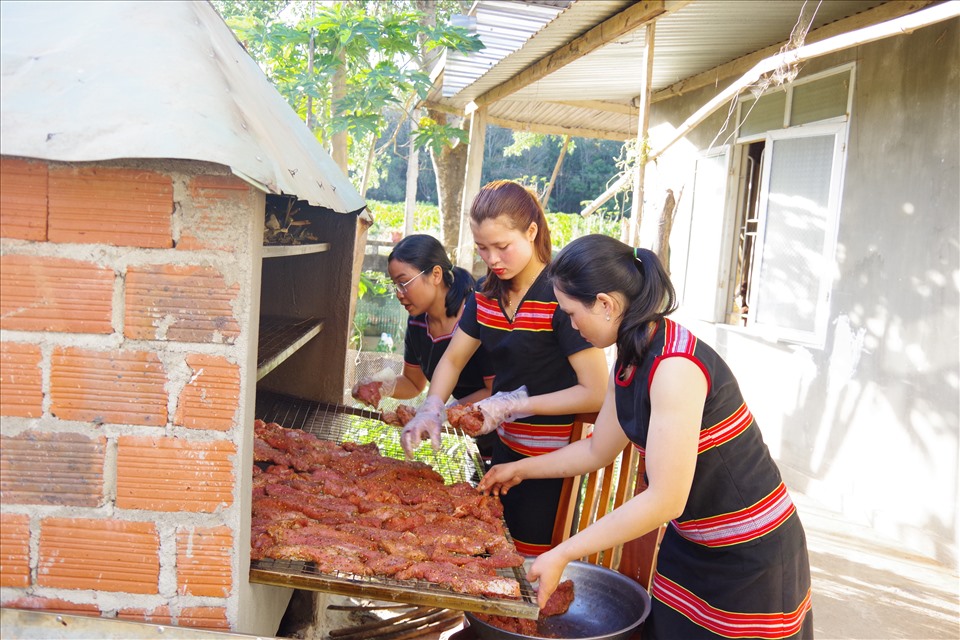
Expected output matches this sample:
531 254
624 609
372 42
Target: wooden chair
585 499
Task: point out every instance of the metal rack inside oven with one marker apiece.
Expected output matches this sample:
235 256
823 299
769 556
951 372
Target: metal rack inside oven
458 460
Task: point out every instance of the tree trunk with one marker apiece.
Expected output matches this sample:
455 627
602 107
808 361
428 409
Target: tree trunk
450 168
413 174
310 118
664 227
368 169
339 151
556 172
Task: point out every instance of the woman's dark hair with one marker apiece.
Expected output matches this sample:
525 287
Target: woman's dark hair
425 252
521 206
597 264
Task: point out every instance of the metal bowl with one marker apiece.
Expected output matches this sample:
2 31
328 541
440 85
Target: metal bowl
606 606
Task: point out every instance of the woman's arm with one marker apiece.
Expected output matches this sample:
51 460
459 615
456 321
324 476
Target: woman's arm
577 458
410 383
479 394
586 396
454 359
677 395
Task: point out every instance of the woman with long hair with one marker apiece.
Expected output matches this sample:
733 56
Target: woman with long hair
733 562
433 292
545 372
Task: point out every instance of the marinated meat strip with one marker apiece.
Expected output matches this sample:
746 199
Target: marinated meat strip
521 626
348 509
461 580
558 604
559 601
400 417
466 417
369 393
405 413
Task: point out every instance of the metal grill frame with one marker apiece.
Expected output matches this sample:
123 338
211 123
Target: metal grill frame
336 422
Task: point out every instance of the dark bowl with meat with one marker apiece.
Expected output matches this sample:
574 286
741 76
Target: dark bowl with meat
606 606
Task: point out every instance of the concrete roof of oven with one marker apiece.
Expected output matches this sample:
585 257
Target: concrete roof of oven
581 71
86 81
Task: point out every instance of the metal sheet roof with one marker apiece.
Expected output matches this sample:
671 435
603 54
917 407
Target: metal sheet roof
691 38
510 28
87 81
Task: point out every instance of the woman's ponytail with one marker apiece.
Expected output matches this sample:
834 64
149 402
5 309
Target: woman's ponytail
461 284
652 298
597 264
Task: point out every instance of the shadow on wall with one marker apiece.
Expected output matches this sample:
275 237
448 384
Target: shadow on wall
890 363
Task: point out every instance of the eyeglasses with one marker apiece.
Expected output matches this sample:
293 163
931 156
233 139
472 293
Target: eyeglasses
402 287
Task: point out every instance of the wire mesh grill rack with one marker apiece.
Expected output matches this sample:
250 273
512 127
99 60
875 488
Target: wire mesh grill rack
458 460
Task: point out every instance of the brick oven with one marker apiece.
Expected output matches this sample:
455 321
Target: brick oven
140 311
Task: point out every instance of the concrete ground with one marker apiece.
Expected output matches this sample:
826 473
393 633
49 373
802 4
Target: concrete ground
865 588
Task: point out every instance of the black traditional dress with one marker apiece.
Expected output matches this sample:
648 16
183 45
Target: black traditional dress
734 564
423 351
532 350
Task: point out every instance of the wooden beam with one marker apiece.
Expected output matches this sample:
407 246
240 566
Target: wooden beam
643 135
443 108
711 77
599 105
471 186
558 130
624 22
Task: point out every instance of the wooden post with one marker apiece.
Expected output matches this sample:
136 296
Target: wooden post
413 174
471 186
640 171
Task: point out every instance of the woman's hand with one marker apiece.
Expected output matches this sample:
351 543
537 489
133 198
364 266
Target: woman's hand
504 406
425 425
546 571
500 478
369 389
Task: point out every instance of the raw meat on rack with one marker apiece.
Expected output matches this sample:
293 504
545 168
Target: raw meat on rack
399 418
350 510
369 393
466 417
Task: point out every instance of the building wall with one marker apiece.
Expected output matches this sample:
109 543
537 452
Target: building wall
129 302
868 425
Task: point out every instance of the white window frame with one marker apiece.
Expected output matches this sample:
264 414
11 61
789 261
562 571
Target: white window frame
712 274
816 336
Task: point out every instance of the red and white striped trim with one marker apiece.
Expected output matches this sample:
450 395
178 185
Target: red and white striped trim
535 439
740 526
772 626
725 430
533 315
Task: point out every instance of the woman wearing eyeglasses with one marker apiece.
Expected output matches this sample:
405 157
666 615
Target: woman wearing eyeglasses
433 292
546 372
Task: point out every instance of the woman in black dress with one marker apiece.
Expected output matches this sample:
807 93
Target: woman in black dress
433 292
733 562
545 372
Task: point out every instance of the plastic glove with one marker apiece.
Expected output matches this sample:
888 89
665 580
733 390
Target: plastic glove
385 378
504 406
425 425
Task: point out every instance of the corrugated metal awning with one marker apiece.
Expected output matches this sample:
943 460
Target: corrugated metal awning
86 81
594 95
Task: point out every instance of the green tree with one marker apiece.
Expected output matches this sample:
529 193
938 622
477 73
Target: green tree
341 65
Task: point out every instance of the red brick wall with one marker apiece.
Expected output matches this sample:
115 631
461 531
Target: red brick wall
121 298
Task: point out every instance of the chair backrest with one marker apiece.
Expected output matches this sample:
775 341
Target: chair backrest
586 499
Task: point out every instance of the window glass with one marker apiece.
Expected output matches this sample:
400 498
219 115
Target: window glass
759 116
820 99
700 292
794 233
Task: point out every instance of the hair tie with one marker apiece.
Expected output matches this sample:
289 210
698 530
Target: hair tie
636 255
